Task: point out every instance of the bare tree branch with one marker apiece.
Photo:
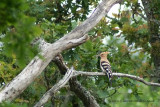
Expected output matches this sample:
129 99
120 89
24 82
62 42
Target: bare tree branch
80 91
116 74
42 44
55 88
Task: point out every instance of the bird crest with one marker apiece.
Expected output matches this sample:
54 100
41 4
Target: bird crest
103 54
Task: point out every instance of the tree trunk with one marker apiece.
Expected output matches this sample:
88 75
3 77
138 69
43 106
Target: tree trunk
150 8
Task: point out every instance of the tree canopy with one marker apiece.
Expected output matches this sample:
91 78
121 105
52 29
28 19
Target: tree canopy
74 32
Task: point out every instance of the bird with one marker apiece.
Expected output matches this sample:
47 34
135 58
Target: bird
105 65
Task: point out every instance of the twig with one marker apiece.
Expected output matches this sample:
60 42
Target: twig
76 73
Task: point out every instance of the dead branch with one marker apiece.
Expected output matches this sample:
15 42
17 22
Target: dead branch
75 86
76 73
55 88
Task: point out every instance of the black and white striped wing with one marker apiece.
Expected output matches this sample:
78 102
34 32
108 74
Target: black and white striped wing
105 66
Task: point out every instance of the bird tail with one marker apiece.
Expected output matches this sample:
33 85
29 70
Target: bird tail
109 75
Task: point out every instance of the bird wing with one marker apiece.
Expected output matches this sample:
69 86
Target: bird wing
105 66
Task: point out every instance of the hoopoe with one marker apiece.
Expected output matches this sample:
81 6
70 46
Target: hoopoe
105 65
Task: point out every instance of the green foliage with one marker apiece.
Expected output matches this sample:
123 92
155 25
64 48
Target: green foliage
20 37
17 30
10 12
7 104
52 31
8 69
126 36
